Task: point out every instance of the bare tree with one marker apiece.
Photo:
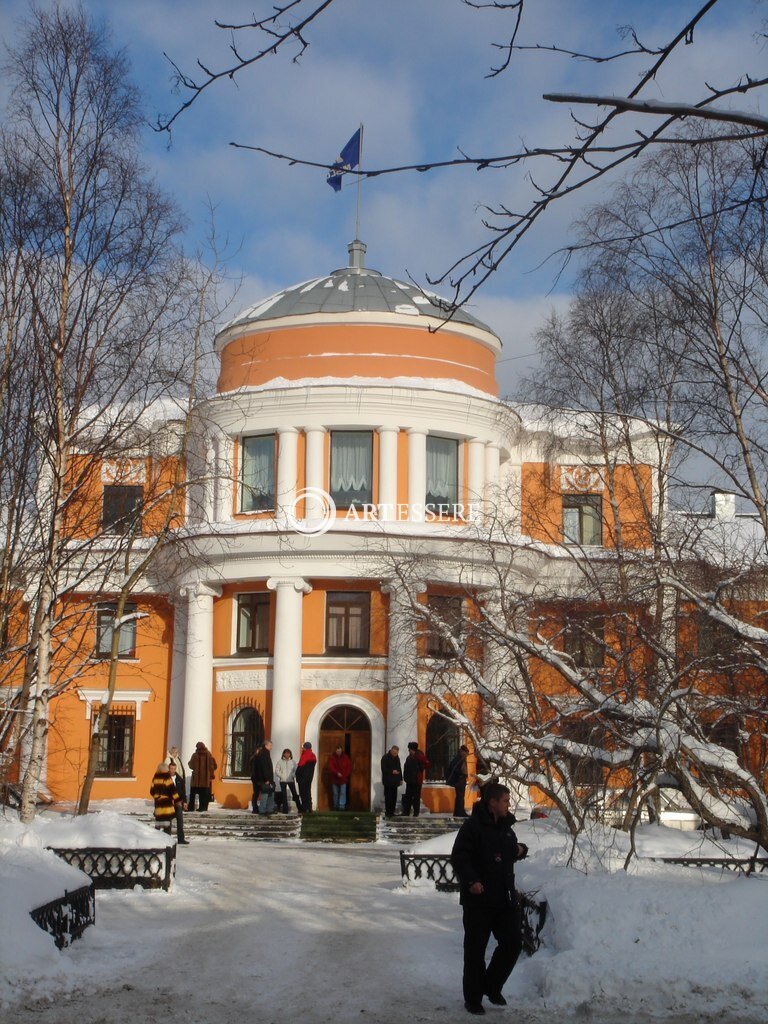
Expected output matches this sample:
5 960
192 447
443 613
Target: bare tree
99 318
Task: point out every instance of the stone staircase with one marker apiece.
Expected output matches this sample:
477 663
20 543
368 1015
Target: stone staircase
318 827
405 833
219 824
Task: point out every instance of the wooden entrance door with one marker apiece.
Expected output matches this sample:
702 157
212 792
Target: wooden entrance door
349 728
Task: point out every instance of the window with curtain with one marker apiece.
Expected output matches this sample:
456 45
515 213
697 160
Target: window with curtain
584 640
258 481
115 755
442 742
442 475
351 467
246 736
105 627
582 519
252 623
347 626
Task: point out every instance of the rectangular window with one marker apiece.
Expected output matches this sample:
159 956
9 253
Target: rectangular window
253 623
347 628
582 519
713 640
121 508
448 610
105 627
442 475
258 479
116 743
584 641
351 467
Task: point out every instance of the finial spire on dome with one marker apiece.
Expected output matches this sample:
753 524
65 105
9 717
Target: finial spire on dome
356 250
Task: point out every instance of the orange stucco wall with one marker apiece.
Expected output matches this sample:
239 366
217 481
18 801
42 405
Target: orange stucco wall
69 732
347 350
542 505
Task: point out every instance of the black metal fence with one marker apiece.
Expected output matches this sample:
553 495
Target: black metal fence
116 868
748 865
435 867
67 917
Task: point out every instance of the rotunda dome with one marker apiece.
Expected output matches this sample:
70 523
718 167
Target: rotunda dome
355 323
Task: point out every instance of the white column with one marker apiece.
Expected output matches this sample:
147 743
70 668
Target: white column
209 481
417 473
287 469
388 472
224 481
197 718
475 478
286 664
178 670
402 696
315 469
491 478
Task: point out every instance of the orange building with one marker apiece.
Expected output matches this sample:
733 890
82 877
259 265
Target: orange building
350 417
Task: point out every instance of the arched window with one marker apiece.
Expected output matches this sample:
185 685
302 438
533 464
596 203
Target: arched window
443 741
246 737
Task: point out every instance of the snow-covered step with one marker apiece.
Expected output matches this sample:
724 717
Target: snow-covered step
407 832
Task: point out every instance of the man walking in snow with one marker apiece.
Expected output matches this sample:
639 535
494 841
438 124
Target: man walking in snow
483 857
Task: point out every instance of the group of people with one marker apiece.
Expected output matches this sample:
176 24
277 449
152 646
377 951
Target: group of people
394 774
169 787
275 785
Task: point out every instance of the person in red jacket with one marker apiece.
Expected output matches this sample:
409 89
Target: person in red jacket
414 769
339 769
305 772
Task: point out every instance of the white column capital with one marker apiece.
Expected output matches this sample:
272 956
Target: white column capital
310 430
288 430
387 430
417 430
397 588
199 589
297 582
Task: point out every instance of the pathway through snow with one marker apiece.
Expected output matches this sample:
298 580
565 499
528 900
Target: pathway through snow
275 933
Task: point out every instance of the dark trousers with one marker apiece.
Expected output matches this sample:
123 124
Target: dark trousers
165 823
305 796
282 796
203 795
412 799
458 803
479 924
390 800
255 798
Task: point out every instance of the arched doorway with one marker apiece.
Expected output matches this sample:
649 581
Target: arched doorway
350 728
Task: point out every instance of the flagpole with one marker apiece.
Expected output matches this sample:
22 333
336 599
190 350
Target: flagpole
359 179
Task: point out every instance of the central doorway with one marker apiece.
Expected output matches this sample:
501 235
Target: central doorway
349 728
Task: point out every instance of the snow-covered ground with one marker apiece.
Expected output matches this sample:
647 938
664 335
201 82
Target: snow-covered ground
303 933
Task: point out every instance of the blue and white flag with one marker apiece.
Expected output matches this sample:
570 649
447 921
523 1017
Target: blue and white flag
348 158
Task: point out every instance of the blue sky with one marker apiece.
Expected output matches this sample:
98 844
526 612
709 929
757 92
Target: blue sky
413 71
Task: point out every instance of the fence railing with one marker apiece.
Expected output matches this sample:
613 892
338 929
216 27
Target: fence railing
116 868
435 867
748 865
67 917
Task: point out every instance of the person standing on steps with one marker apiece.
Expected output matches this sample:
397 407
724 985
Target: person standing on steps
339 770
263 775
203 773
414 768
179 773
484 855
305 772
456 776
285 778
391 779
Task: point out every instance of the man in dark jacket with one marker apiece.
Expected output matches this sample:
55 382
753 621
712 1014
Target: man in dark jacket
305 772
391 779
483 858
263 776
456 776
414 768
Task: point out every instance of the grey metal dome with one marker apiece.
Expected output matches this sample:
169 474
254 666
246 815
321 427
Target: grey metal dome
354 289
